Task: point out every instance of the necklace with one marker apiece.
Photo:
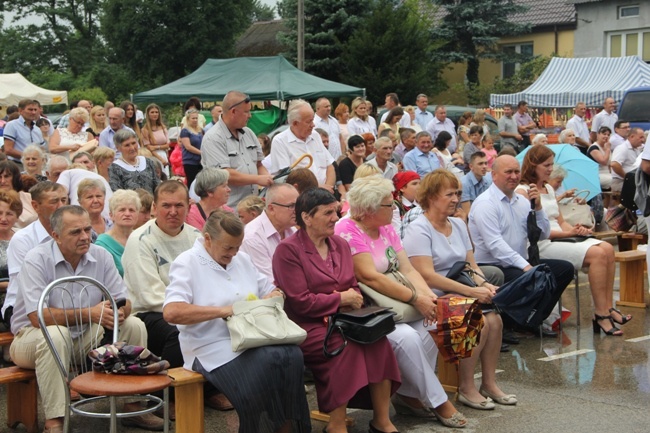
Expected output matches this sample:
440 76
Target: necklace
136 165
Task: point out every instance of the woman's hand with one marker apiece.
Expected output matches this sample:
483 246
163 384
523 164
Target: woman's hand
275 293
351 298
580 230
484 293
427 306
533 194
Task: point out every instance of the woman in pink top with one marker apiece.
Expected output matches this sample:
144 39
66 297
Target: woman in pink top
154 134
211 186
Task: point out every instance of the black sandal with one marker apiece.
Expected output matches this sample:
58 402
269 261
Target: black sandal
613 331
625 318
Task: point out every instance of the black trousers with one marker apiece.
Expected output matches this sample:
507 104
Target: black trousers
191 171
561 269
163 338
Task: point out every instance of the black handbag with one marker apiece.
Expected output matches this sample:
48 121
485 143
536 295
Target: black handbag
463 273
364 326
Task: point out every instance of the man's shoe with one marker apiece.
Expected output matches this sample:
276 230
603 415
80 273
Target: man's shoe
505 348
509 337
549 333
147 421
172 411
219 401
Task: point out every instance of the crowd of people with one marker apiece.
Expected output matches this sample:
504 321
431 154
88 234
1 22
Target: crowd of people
407 192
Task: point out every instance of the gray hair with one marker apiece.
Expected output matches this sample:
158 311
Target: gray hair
274 190
79 112
33 148
80 154
538 138
366 193
56 220
88 184
293 114
56 160
124 197
208 179
383 140
558 172
422 134
563 134
122 135
220 221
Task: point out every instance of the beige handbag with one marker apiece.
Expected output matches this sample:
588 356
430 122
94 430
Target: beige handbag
262 322
576 213
404 312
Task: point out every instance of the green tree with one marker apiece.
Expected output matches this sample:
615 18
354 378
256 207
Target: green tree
329 24
65 38
472 29
262 12
157 41
391 52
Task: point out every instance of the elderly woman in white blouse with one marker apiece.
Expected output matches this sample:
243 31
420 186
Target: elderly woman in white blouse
263 384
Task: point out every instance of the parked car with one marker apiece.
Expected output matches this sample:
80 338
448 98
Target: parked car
635 107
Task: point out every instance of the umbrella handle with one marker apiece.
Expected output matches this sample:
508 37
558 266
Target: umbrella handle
532 204
305 155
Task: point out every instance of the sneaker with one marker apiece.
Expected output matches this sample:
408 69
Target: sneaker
147 421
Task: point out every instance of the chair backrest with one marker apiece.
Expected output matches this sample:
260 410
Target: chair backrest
75 296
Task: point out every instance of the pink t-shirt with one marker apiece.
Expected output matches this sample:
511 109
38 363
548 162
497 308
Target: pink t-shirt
491 156
383 249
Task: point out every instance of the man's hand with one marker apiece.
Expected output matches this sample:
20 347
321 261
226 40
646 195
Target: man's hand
265 180
103 315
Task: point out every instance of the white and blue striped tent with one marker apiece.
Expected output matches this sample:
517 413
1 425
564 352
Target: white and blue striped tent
565 82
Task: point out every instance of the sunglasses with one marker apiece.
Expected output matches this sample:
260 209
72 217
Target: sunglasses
246 100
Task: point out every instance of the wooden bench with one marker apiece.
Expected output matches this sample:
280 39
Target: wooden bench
6 338
606 234
448 374
22 402
630 241
631 278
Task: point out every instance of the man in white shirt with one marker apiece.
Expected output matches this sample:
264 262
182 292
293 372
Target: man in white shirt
392 101
299 139
579 126
606 117
621 131
329 124
498 226
422 115
276 222
46 198
624 157
441 123
383 154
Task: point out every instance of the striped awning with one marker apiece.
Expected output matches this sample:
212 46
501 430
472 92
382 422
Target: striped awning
565 82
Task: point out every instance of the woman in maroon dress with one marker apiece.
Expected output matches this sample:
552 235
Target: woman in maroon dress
314 268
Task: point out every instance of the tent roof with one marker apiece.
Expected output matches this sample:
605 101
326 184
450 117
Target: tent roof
15 87
261 78
565 82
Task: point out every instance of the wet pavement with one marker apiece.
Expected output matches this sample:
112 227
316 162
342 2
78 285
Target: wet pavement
578 382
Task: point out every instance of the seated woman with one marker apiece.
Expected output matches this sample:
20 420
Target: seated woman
436 240
376 248
91 194
540 139
314 268
250 207
33 160
596 255
264 384
211 186
124 207
600 151
131 171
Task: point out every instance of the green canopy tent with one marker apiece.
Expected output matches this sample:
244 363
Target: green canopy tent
262 78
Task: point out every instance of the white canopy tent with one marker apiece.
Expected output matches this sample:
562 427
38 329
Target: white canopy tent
15 87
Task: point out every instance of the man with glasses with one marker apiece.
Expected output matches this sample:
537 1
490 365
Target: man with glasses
621 131
624 158
263 235
231 145
115 123
21 132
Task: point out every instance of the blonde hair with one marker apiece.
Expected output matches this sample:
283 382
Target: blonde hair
251 203
365 170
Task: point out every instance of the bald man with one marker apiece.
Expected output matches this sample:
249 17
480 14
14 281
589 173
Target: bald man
606 117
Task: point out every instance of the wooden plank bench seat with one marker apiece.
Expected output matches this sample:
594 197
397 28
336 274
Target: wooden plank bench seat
22 402
6 338
606 234
631 278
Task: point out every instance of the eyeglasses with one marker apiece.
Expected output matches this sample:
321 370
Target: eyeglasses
288 206
246 100
387 205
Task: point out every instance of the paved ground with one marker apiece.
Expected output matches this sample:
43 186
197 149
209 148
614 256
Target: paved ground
593 384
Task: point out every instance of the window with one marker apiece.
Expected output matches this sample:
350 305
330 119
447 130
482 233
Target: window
523 49
628 11
634 43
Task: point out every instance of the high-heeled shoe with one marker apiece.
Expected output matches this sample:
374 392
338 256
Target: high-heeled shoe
373 429
624 317
614 331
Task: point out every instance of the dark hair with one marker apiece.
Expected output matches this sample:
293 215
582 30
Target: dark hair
193 102
12 168
309 201
393 97
28 181
266 144
475 130
355 140
522 104
619 122
42 121
507 105
169 186
397 111
475 155
12 109
38 191
534 157
441 140
603 129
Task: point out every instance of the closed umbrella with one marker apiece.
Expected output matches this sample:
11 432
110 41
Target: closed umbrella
281 176
534 233
582 172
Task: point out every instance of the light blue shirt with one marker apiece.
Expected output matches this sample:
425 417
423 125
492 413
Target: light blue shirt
498 229
420 162
106 138
22 135
473 187
423 118
436 126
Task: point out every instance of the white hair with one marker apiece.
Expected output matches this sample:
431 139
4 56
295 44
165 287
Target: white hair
293 114
366 193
